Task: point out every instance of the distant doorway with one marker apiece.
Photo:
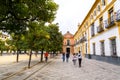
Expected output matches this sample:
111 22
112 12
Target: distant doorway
68 50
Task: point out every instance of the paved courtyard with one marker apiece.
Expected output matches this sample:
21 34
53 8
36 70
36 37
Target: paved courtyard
90 70
55 69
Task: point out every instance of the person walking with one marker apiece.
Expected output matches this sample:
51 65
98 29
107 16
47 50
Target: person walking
79 58
67 56
63 57
74 58
46 56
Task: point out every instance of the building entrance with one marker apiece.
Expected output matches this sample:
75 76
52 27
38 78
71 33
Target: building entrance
67 50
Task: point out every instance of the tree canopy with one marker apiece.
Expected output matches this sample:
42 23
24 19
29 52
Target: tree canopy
15 15
25 21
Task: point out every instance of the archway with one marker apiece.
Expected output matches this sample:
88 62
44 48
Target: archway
67 50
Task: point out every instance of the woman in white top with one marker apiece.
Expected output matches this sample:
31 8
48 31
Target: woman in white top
74 58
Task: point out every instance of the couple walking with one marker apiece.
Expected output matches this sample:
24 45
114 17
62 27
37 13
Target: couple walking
77 56
67 55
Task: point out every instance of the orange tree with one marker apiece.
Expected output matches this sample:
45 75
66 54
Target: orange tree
56 38
37 38
17 15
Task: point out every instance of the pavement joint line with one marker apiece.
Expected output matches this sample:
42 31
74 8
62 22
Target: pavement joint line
13 74
23 69
38 70
106 69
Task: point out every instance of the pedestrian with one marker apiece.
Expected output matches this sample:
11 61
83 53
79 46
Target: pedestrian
79 58
74 58
67 56
46 56
63 56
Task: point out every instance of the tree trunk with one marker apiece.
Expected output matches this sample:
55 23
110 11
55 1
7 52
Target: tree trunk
53 53
42 55
30 59
17 56
25 51
1 53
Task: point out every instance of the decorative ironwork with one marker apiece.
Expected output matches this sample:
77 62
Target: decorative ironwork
110 22
92 33
83 39
100 28
118 15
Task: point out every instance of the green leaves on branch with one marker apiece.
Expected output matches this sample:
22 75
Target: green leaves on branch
15 15
25 21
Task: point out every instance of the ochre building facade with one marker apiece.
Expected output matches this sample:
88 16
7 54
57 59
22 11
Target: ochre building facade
68 43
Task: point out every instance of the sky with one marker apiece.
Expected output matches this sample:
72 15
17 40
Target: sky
71 13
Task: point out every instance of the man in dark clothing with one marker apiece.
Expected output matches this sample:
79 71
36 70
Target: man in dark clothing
67 56
79 58
63 56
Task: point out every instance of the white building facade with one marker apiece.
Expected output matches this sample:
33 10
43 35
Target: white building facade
101 29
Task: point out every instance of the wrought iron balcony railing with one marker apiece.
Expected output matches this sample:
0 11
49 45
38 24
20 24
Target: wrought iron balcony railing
118 15
92 33
110 22
83 39
100 28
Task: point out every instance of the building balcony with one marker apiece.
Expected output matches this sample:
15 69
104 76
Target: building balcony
118 16
83 39
76 43
100 28
92 33
69 45
110 22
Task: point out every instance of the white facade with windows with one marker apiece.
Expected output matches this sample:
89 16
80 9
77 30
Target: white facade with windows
101 28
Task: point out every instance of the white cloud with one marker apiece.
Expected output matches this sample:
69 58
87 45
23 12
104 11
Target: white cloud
72 12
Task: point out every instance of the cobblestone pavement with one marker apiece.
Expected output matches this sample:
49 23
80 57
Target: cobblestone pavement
90 70
55 69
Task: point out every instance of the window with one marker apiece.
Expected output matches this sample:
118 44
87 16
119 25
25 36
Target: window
111 15
68 42
91 17
110 21
103 2
98 8
113 47
94 52
100 27
118 15
92 30
102 48
101 22
86 48
95 13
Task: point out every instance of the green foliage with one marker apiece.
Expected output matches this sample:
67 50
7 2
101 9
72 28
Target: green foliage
56 38
2 45
37 36
16 14
25 21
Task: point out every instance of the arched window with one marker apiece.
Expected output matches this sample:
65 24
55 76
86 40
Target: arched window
68 42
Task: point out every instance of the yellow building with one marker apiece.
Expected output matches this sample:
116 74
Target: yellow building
99 33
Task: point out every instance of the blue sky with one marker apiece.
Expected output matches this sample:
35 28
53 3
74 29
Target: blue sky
71 12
